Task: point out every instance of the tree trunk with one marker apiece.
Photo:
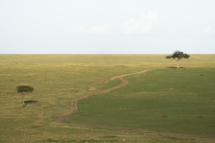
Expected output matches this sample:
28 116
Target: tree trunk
177 63
23 102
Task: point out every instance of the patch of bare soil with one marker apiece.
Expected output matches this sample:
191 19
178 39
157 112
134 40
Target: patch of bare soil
200 116
171 89
165 116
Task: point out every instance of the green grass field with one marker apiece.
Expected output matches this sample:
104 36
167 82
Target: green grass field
141 104
185 96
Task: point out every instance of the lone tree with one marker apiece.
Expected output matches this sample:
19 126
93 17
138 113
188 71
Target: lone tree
24 89
178 55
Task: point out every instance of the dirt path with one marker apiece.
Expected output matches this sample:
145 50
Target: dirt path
74 107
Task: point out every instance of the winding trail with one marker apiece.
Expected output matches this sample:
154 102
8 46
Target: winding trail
74 102
74 108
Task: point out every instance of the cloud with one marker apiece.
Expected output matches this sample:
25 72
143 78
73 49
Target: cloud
96 29
100 29
208 31
82 28
144 25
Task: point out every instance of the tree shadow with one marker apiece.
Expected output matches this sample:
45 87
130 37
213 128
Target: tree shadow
29 102
175 67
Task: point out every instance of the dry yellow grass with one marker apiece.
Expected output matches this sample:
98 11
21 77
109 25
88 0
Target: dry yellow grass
57 78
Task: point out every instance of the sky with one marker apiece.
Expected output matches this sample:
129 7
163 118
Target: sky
107 26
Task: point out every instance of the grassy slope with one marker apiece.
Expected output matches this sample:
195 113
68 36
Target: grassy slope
57 78
142 103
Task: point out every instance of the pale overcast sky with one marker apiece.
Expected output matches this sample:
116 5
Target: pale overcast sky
107 26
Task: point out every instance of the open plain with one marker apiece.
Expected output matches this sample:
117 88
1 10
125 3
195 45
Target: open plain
99 98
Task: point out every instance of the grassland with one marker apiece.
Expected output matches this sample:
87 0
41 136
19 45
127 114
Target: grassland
58 78
185 96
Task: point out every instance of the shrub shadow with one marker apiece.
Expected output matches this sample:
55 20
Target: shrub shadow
29 102
175 67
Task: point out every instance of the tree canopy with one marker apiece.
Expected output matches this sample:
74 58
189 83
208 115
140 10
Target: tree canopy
178 55
24 88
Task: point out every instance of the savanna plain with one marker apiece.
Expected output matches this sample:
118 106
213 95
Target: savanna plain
164 104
